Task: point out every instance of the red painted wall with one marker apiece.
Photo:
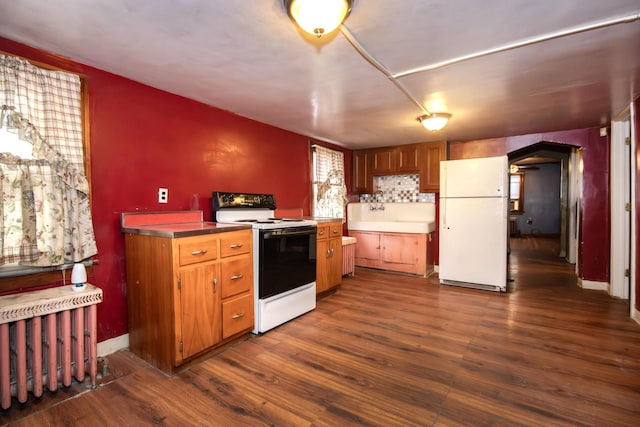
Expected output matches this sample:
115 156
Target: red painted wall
142 138
596 217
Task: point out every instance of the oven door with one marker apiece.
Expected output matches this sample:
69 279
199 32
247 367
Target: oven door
287 259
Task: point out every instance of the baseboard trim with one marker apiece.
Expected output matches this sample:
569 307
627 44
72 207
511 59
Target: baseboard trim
635 315
436 268
593 285
112 345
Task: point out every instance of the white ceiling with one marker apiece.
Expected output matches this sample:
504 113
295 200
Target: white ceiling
247 57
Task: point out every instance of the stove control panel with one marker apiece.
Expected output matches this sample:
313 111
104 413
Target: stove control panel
222 200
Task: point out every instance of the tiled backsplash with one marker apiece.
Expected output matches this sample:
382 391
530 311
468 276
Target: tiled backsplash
399 189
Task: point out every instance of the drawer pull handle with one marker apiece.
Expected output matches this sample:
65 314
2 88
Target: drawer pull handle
200 252
215 284
321 232
237 276
335 231
237 316
236 246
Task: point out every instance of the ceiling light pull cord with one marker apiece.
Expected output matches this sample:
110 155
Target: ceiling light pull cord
377 65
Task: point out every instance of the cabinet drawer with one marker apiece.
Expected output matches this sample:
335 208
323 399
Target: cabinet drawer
236 276
335 229
237 315
324 231
198 249
235 243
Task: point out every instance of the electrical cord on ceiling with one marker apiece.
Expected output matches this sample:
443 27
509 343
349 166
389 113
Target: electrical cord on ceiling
393 77
377 65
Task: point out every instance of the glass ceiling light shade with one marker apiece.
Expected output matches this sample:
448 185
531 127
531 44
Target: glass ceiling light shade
318 17
434 121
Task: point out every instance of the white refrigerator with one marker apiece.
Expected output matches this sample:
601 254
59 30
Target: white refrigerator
474 200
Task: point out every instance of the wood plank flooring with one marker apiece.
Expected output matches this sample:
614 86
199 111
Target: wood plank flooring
395 350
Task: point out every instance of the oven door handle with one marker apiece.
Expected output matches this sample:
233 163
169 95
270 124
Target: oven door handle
268 235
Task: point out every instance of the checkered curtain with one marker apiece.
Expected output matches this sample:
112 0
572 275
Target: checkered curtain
330 191
46 217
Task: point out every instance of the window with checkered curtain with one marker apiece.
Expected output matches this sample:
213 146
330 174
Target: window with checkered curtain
45 212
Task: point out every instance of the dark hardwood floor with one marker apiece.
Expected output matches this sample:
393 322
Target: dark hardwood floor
394 350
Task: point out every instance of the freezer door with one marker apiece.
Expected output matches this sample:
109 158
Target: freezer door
485 177
473 241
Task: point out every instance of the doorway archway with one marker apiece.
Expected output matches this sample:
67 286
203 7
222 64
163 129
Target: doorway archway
550 201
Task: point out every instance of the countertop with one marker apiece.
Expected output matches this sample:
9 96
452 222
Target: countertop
321 219
184 224
184 229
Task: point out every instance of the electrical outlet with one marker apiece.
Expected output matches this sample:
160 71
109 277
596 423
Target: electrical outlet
163 195
529 221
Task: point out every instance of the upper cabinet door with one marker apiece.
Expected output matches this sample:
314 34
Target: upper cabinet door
432 154
408 158
383 161
362 179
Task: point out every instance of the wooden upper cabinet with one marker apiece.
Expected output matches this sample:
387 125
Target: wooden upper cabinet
362 178
408 158
423 159
383 161
432 154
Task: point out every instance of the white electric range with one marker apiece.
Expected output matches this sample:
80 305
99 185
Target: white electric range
284 257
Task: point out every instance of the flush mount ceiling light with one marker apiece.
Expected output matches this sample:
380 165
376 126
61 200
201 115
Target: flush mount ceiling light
318 17
434 121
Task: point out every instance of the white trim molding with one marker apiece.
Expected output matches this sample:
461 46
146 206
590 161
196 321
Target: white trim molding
593 285
635 314
620 197
112 345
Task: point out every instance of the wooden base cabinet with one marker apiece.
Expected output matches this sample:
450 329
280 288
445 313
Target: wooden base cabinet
187 295
402 252
329 256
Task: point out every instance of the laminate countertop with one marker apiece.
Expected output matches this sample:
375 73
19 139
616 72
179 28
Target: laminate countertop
173 224
185 229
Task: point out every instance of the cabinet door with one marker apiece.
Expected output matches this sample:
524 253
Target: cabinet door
328 264
201 323
335 262
432 154
367 245
383 161
322 265
399 249
408 158
362 178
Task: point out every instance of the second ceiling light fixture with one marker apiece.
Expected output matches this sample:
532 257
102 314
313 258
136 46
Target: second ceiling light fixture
320 17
